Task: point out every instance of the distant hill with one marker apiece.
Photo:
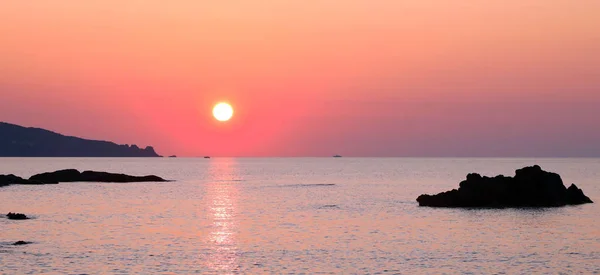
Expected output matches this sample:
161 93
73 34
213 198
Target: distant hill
18 141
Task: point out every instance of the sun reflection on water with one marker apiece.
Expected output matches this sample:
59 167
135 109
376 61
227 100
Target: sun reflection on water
222 193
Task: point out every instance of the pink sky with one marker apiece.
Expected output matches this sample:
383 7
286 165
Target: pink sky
309 78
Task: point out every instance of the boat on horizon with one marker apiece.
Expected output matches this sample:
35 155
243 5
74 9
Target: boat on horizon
337 156
206 157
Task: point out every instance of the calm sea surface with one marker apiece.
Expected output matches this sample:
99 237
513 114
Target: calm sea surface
290 216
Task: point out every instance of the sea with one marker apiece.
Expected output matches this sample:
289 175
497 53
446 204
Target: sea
291 216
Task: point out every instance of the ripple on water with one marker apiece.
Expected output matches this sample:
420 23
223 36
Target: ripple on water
244 216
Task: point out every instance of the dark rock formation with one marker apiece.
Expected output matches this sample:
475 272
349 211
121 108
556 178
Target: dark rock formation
16 216
110 177
17 141
21 243
72 175
6 180
530 187
67 175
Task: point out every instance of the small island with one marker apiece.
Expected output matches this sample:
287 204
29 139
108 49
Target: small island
72 175
530 187
16 216
19 141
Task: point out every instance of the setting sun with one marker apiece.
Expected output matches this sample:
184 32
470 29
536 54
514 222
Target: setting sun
223 111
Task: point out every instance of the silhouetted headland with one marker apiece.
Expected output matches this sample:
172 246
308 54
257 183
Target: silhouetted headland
530 187
18 141
72 175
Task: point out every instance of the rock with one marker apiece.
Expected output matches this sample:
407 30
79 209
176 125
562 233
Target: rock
16 216
21 243
6 180
110 177
576 196
72 175
67 175
530 187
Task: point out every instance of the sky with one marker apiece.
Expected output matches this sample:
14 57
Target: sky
412 78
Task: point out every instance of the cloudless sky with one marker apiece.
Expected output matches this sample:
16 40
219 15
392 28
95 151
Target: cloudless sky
309 78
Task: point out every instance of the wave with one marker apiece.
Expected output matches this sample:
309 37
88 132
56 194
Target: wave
329 206
310 185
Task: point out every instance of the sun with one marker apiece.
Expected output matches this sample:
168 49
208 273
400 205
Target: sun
223 111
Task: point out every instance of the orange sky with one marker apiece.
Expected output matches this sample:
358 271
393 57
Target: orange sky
309 78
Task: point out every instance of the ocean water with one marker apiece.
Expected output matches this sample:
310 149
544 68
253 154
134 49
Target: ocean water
290 216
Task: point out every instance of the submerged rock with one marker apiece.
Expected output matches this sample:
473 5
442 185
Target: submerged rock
16 216
530 187
72 175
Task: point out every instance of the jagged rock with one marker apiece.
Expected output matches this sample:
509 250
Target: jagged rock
16 216
72 175
530 187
